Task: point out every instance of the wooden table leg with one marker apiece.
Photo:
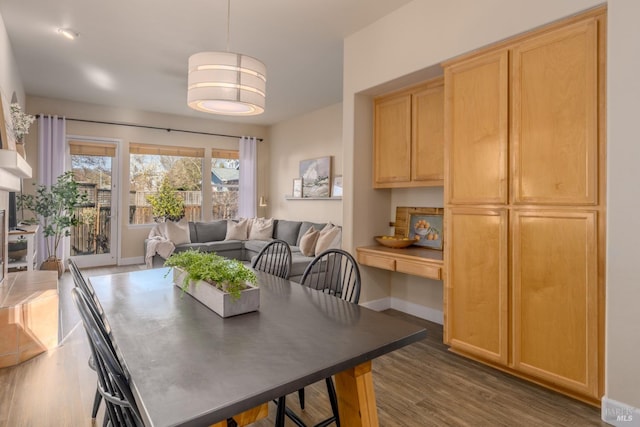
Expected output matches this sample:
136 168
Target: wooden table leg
247 417
356 397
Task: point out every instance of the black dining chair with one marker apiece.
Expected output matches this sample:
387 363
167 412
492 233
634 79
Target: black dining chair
81 283
113 383
334 272
274 258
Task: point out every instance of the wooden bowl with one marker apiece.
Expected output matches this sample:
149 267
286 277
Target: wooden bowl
394 242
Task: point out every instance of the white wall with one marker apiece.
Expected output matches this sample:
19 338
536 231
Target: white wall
131 246
317 134
623 207
10 83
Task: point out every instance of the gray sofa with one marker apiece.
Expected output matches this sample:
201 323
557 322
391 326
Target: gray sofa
210 237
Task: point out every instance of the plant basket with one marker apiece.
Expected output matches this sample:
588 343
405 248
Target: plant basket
222 303
53 263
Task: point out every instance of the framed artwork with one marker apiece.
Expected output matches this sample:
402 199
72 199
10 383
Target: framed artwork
336 190
316 177
297 187
426 226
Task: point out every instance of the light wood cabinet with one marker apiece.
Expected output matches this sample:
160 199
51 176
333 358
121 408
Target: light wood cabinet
525 205
555 297
554 117
477 103
408 146
477 282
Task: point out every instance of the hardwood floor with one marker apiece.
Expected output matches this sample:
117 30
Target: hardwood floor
420 385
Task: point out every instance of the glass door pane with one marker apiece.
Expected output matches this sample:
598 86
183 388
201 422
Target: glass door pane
93 241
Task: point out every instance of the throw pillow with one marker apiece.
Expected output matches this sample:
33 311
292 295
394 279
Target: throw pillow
329 238
308 242
178 232
261 229
237 230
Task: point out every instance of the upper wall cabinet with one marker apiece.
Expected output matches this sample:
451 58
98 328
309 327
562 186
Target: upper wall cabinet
554 117
408 148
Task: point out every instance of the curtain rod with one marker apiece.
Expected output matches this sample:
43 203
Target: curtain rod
152 127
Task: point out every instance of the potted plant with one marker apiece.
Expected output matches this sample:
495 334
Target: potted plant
55 210
167 204
20 123
224 285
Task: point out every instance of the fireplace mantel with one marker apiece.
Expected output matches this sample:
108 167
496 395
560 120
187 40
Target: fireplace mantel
12 168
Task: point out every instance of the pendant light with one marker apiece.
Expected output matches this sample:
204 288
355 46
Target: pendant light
226 83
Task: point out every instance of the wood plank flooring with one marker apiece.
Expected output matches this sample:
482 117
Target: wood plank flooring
420 385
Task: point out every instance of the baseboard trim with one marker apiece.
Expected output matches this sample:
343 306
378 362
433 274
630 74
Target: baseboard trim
413 309
378 304
131 261
619 414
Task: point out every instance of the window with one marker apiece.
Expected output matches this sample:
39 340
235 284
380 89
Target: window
148 166
225 176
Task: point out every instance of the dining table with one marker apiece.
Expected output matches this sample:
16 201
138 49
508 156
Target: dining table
187 366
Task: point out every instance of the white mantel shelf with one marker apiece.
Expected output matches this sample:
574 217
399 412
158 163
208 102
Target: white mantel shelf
12 168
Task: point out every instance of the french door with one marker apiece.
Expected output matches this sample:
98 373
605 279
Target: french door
94 241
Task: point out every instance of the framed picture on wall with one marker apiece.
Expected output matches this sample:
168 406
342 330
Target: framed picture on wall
316 177
297 187
336 190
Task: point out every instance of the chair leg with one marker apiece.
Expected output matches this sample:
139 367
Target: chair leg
280 413
333 398
301 397
96 404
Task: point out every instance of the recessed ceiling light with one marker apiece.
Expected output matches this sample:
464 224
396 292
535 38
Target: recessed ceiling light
68 33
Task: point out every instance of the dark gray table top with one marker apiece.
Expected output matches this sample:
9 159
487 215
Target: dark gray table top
191 367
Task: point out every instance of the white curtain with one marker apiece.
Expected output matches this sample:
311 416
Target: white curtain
51 164
247 203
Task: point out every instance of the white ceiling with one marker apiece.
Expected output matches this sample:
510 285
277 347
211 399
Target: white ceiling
134 53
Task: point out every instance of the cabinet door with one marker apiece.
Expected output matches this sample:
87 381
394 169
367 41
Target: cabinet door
476 309
555 311
427 157
392 141
476 130
555 117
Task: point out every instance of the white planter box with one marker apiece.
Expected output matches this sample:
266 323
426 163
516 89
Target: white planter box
217 300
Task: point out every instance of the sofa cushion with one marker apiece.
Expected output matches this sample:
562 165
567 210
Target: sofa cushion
330 237
308 242
224 245
210 231
255 245
287 230
178 232
305 226
237 230
299 263
261 229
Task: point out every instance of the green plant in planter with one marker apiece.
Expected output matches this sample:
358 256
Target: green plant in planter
228 275
167 204
55 209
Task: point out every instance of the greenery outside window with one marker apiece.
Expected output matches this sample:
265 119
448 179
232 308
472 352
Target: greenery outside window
150 164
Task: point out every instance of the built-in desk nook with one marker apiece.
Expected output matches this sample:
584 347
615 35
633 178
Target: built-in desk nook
413 260
28 315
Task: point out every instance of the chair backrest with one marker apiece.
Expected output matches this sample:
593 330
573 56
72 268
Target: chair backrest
82 283
274 258
113 384
335 272
78 278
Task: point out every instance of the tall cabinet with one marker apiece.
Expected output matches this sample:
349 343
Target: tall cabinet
525 205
